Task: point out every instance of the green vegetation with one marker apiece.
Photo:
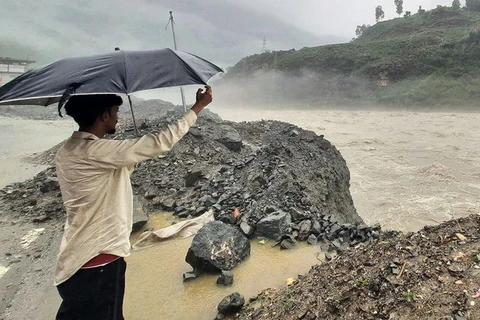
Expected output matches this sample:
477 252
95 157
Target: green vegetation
427 59
361 282
409 296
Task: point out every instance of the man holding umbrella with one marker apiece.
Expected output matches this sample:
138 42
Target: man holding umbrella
94 177
94 173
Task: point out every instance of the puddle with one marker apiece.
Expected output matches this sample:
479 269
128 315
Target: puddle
155 287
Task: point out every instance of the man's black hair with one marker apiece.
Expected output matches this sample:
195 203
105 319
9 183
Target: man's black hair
85 109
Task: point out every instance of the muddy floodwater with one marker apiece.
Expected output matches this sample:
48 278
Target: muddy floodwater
155 289
20 138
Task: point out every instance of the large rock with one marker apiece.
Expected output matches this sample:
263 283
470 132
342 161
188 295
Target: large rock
229 137
217 246
274 225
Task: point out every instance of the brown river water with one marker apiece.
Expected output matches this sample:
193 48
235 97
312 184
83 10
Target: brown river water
408 169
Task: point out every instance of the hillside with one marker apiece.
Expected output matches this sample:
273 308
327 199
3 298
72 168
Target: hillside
422 60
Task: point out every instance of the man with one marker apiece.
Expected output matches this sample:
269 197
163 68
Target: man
94 177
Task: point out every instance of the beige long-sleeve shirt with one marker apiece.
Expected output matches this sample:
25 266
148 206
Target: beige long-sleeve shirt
94 178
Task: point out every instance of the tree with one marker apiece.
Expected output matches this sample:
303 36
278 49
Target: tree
399 5
456 4
407 14
473 5
379 14
421 11
361 29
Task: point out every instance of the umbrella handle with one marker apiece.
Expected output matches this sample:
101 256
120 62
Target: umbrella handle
66 95
133 115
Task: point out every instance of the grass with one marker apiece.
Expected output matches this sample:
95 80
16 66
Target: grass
409 296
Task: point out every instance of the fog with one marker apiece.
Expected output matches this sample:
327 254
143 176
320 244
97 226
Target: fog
304 89
221 31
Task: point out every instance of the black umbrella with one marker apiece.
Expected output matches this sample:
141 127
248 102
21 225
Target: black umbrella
122 72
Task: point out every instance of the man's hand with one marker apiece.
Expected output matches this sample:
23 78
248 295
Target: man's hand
203 99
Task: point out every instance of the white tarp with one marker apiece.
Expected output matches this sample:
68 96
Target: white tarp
182 229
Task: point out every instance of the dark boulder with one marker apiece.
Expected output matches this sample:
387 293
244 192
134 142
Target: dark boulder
231 304
229 137
274 226
217 246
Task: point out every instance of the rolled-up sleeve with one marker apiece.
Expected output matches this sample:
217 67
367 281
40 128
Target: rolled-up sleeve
125 153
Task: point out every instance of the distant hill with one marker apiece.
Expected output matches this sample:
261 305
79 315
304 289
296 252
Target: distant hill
427 59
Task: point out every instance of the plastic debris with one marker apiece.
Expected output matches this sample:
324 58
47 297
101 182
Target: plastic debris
289 281
476 295
263 241
461 237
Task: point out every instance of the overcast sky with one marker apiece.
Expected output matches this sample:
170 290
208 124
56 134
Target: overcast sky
222 31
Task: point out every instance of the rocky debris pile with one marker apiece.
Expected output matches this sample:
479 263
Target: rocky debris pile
332 236
37 200
271 179
30 112
143 109
253 166
433 273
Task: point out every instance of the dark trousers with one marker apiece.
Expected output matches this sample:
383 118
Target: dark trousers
95 293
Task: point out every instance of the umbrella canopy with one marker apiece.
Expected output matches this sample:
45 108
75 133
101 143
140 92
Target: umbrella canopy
122 72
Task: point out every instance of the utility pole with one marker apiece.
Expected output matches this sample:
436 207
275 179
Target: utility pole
264 46
170 21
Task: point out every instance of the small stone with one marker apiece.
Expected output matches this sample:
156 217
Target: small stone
376 227
312 239
183 214
41 218
458 316
231 304
328 256
334 229
226 278
200 210
454 269
189 276
149 195
246 228
287 244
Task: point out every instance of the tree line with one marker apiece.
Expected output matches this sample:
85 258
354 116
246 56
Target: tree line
471 5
